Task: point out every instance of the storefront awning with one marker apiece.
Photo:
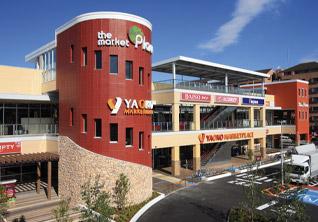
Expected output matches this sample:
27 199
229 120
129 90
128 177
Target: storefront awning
27 158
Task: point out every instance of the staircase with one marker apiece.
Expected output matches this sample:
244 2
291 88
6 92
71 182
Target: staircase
205 157
219 114
220 152
36 207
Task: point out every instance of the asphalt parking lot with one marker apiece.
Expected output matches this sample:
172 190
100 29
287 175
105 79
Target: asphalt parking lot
210 201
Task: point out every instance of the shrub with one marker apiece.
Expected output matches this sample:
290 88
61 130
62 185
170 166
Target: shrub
121 190
61 213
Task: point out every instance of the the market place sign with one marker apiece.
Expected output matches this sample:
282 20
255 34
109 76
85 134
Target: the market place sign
224 137
136 36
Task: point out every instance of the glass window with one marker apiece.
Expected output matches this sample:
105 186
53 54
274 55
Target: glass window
23 114
129 136
1 115
71 117
35 110
98 59
129 69
113 64
113 132
84 123
72 53
84 56
141 140
98 128
141 75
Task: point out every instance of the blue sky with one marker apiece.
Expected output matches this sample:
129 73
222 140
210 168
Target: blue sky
253 34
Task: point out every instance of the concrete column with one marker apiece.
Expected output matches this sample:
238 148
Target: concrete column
263 116
196 117
263 147
251 116
175 117
251 147
175 161
174 74
226 81
196 157
38 177
49 179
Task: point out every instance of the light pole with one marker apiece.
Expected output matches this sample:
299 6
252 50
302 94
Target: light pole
281 150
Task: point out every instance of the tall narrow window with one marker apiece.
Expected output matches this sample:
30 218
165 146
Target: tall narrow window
113 67
84 123
129 69
141 140
98 128
71 117
84 56
72 54
129 136
141 75
113 132
98 59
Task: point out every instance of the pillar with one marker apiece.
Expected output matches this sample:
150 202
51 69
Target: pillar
49 179
175 117
226 81
175 161
38 177
263 116
174 74
251 116
251 149
196 117
196 157
263 147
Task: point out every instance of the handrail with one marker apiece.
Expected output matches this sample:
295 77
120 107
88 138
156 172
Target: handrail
23 129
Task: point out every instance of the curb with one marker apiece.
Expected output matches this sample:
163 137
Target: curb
146 207
218 177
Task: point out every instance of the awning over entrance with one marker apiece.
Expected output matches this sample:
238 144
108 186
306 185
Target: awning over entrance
28 158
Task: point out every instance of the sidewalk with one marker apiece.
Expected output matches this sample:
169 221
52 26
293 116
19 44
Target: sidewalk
165 183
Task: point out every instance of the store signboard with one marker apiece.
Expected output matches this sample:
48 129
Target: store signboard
10 148
203 138
195 97
227 99
132 106
253 101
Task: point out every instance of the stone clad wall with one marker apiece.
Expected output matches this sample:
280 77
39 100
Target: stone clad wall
77 164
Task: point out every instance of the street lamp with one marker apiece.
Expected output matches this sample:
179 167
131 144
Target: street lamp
281 149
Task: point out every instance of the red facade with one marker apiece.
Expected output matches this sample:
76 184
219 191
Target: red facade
86 90
293 95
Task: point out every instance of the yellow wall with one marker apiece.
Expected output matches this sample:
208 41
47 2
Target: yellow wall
49 86
39 146
16 80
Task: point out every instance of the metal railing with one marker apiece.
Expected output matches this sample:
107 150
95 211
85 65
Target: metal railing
204 86
184 126
161 126
244 123
23 129
49 75
258 123
278 122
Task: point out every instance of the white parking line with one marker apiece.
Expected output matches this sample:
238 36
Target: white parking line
269 180
240 175
263 178
264 206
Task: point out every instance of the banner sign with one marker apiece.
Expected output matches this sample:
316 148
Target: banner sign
252 101
223 137
10 148
227 99
195 97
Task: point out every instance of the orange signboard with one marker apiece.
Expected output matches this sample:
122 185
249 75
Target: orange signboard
224 137
10 147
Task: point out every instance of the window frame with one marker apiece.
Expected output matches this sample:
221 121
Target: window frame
131 68
96 120
131 134
96 52
84 56
84 123
110 64
110 133
141 140
141 73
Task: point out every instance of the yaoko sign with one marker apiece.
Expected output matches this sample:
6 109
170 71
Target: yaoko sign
227 99
195 97
10 147
133 106
203 138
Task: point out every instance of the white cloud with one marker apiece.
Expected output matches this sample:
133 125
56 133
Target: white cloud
245 11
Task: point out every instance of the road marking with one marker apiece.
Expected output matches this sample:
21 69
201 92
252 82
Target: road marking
240 175
263 178
249 181
232 181
264 206
269 180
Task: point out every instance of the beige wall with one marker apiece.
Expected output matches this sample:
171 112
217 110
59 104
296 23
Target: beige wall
49 86
16 80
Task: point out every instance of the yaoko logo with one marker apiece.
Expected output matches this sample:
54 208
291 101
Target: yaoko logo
133 106
201 137
137 37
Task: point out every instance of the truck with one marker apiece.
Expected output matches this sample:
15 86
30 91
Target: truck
303 164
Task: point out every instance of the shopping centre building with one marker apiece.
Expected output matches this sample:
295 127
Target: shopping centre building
90 107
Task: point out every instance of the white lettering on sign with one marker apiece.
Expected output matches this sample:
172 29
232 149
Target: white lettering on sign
133 106
195 97
106 39
141 40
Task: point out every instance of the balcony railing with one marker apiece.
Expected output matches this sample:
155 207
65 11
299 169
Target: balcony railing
278 122
49 75
245 123
161 126
24 129
203 86
258 123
